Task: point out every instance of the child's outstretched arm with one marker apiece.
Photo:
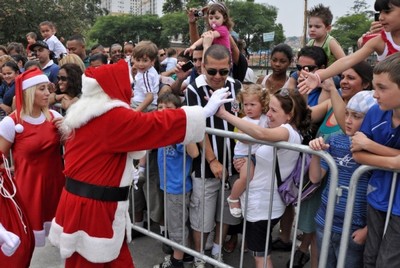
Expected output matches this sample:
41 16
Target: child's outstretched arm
192 150
315 172
314 79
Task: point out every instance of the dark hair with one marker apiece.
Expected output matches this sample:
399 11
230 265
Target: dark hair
96 46
31 63
77 37
13 65
293 102
217 52
18 47
391 66
221 8
285 49
169 97
322 12
19 57
316 53
47 23
170 52
98 56
381 5
145 48
74 73
365 71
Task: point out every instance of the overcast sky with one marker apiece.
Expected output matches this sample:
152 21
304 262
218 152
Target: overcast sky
290 12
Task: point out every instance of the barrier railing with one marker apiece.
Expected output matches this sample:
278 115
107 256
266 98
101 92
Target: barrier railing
350 202
277 145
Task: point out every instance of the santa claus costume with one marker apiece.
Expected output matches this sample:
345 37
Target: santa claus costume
34 140
92 224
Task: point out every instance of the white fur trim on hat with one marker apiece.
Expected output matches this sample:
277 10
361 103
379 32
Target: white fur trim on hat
32 81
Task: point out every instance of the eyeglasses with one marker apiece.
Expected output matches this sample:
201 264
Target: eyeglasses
62 78
162 55
222 72
309 67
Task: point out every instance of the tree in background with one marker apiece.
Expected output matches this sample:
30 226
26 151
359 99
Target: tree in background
118 29
347 29
252 20
17 18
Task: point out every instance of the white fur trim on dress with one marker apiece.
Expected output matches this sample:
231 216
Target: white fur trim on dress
97 249
195 124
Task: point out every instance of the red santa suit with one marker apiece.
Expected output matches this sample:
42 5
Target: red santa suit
102 130
38 163
13 218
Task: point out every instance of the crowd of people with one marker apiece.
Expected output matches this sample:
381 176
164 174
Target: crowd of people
80 127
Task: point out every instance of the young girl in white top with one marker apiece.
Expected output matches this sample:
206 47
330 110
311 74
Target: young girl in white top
254 101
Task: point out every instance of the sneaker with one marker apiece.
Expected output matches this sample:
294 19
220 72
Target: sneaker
199 264
167 263
187 258
300 259
216 257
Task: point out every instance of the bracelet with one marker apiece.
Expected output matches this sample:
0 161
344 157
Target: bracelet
212 160
319 79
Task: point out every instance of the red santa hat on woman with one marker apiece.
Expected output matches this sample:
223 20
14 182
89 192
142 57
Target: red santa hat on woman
23 81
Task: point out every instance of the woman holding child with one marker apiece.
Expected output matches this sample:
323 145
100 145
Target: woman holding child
289 118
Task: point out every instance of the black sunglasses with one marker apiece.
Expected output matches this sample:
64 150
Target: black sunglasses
62 78
162 55
309 67
222 72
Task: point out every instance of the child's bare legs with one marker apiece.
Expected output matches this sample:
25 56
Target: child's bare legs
239 187
260 262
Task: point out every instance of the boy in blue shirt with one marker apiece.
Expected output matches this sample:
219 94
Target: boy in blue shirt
380 136
172 158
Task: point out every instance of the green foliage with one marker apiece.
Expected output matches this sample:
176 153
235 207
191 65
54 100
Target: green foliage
171 6
252 20
349 28
117 29
18 17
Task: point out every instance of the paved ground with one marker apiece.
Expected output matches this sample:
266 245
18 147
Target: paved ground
146 252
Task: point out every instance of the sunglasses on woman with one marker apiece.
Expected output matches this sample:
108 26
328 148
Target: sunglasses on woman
62 78
303 67
222 72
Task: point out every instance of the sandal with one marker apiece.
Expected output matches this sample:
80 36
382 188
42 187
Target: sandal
236 212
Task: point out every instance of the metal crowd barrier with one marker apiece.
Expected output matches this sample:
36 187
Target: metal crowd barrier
350 203
277 145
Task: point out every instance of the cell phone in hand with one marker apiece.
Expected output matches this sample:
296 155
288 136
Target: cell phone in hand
187 66
376 16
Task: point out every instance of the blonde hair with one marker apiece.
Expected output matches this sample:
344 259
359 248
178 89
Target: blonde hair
28 100
254 89
72 58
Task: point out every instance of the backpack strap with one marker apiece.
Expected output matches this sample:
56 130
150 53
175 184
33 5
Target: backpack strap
278 173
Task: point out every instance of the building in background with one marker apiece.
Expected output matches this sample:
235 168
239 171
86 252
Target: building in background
134 7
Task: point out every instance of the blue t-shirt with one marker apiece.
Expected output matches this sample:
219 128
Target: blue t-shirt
7 93
339 145
174 167
51 72
377 126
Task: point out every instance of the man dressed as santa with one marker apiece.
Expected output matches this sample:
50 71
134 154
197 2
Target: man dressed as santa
92 224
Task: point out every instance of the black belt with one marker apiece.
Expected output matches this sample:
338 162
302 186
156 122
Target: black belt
92 191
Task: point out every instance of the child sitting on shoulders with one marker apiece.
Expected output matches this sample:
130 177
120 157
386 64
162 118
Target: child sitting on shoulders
254 101
319 26
219 24
48 31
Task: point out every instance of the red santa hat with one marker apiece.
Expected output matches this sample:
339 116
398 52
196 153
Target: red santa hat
23 81
113 79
